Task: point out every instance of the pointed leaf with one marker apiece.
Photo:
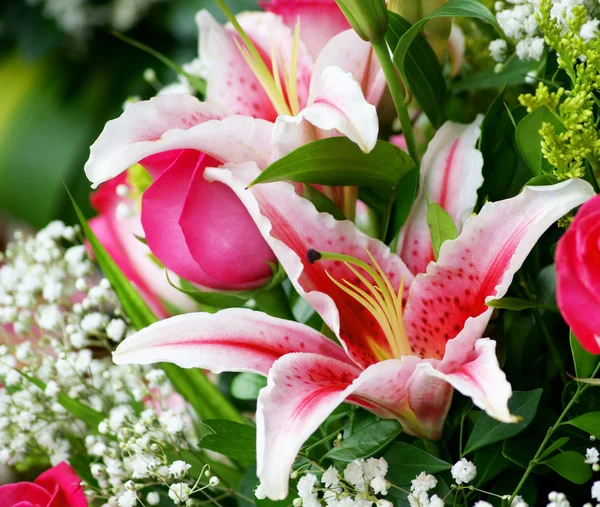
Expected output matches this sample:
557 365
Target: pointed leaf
518 304
590 423
441 227
366 442
423 71
554 446
407 461
585 363
339 161
489 462
235 440
488 431
571 466
529 139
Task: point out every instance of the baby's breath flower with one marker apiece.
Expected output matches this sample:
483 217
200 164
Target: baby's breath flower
463 471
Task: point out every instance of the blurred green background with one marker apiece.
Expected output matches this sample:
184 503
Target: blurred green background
62 76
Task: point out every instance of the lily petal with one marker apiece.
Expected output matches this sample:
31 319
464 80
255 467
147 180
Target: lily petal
229 82
236 339
176 122
481 378
480 264
352 54
451 173
291 226
302 390
320 19
341 108
128 139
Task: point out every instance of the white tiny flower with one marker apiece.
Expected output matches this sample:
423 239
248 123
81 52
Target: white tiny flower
214 481
116 329
306 485
463 471
49 317
128 499
297 502
123 211
375 468
52 389
354 474
497 49
589 30
13 377
592 456
596 491
481 503
259 492
330 477
69 233
436 501
94 321
179 468
379 486
122 190
423 483
518 501
179 493
153 498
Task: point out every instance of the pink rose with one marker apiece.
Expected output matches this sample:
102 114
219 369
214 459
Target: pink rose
578 275
57 487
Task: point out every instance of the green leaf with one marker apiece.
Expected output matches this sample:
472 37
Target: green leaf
451 9
234 440
490 463
323 203
571 466
488 431
542 180
366 442
407 461
520 450
337 161
192 384
246 386
423 71
585 363
518 304
590 423
529 139
554 446
513 74
441 227
77 409
406 192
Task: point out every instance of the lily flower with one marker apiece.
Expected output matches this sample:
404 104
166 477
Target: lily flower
406 342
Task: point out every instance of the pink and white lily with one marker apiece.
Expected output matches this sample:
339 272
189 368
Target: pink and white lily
406 342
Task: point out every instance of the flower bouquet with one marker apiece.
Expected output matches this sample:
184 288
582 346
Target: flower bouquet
350 258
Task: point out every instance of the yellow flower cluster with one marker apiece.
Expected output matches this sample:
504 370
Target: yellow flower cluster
576 142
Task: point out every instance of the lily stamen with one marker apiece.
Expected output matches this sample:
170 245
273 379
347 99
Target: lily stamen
381 300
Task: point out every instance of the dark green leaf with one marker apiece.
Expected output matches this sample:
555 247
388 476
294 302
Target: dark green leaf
441 227
590 423
488 431
585 363
529 139
489 462
520 450
367 442
246 386
323 203
543 180
192 384
554 446
571 466
339 161
451 9
514 73
235 440
406 191
518 305
423 71
407 461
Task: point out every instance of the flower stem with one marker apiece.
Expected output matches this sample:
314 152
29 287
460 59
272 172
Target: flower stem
389 70
534 461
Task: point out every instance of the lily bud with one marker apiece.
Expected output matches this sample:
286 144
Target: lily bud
367 17
436 31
